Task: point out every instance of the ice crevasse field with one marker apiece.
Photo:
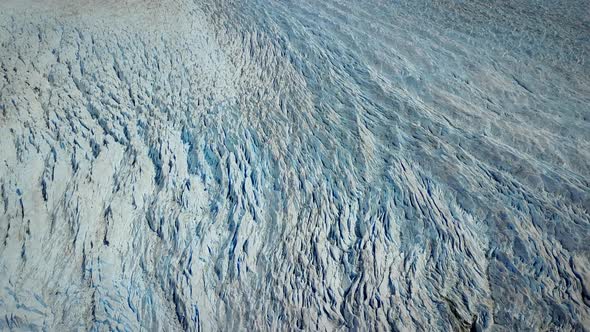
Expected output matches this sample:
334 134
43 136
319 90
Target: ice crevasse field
294 165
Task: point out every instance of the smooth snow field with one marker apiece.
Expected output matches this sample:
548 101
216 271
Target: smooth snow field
282 165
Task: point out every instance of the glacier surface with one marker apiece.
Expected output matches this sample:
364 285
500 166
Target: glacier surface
294 165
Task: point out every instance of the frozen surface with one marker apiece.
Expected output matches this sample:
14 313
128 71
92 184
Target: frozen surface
313 164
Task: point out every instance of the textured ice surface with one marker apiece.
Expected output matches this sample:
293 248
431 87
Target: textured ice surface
313 164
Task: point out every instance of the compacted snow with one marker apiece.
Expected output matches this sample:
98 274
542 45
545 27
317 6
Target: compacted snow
294 165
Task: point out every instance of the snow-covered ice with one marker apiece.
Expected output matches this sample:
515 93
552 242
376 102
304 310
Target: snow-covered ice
294 165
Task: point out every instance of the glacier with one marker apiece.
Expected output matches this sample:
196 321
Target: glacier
294 165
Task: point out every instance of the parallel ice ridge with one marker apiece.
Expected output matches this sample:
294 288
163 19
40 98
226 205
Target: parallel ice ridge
312 165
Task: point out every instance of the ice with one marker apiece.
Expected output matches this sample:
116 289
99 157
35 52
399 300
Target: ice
294 165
